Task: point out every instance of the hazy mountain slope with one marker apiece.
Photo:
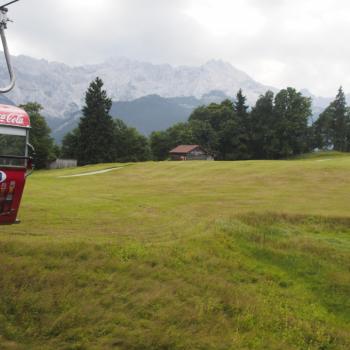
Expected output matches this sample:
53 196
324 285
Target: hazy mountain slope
152 112
147 114
5 101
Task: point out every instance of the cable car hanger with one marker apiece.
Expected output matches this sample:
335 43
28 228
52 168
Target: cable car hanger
15 163
3 25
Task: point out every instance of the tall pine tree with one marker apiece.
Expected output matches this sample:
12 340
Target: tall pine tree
240 106
324 129
340 121
243 126
96 127
332 127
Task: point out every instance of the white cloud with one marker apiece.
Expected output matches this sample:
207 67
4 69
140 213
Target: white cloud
226 17
302 43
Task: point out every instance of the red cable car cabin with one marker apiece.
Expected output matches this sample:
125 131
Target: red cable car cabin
14 160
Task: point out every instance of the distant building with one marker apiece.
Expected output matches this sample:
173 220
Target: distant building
190 152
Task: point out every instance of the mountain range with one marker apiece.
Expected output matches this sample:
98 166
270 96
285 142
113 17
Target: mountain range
145 95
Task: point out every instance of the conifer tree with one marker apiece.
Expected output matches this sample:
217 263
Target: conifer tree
243 126
332 127
340 121
96 127
324 129
240 106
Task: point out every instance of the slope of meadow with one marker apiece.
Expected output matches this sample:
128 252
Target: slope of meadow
195 255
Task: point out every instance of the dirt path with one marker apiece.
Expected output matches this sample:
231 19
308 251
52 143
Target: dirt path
90 173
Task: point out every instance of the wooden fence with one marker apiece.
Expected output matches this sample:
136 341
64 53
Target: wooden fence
63 163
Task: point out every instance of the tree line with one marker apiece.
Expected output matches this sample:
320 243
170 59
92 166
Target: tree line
278 126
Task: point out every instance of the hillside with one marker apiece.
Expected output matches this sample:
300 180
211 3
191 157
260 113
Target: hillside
4 100
195 255
151 113
146 114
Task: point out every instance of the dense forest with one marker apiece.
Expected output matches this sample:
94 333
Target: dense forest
279 126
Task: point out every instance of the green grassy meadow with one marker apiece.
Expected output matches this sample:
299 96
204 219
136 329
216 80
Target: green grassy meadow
181 255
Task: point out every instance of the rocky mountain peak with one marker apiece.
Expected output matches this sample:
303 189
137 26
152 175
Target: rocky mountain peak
60 88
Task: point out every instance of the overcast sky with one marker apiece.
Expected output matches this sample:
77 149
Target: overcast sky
300 43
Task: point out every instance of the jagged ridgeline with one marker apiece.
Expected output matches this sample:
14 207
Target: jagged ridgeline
146 96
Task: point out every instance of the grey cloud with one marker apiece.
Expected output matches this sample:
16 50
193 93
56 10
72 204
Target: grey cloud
301 43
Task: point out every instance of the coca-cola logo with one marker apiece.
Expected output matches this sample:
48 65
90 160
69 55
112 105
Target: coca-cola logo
12 118
3 177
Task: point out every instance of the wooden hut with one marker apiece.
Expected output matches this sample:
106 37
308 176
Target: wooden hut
190 152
